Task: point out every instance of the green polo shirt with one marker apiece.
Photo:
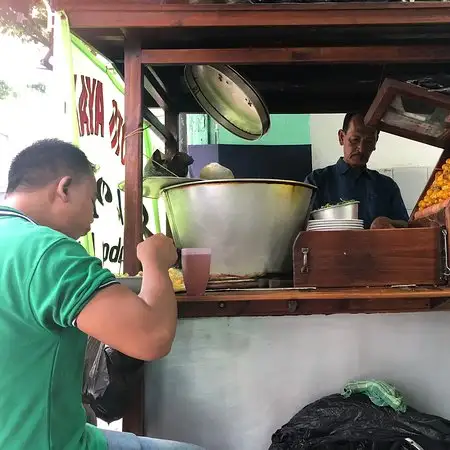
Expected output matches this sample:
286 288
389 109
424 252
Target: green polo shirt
46 280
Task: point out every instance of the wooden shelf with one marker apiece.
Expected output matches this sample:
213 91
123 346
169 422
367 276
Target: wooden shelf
268 302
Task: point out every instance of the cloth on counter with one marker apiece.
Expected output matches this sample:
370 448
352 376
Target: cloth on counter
355 423
379 392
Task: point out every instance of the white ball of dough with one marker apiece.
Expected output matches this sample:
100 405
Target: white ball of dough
215 171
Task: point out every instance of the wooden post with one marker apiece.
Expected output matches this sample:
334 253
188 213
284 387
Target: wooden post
133 158
133 421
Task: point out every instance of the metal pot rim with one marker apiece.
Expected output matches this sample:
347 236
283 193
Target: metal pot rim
240 181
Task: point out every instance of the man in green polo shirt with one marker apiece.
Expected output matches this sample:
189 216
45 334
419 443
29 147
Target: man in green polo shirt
54 294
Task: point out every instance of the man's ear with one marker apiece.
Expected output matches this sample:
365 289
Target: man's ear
341 136
62 189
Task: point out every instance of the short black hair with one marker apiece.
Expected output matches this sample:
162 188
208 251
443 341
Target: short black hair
45 161
349 117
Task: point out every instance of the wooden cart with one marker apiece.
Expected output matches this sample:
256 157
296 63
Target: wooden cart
304 58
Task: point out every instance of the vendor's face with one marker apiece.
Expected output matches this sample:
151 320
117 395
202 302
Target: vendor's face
359 142
74 205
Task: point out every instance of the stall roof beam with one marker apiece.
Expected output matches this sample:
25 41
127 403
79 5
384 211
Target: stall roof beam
317 55
154 88
155 124
132 13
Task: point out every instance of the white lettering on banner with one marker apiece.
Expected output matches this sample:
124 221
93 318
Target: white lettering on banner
98 98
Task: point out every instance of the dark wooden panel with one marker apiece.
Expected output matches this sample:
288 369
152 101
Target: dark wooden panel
369 257
317 55
128 13
133 421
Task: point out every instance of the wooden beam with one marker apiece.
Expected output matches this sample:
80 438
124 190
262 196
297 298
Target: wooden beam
155 124
157 78
154 89
315 55
171 123
136 13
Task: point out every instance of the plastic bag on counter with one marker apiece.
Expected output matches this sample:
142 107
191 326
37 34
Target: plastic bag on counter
355 423
109 377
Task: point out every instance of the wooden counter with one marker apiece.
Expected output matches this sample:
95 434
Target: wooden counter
267 302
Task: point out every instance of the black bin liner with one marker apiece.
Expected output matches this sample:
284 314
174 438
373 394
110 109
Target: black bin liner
355 423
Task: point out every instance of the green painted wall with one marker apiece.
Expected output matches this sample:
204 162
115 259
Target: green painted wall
286 129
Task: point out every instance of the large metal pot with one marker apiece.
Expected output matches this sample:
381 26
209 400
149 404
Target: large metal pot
250 224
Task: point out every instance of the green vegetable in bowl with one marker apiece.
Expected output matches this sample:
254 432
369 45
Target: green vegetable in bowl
341 203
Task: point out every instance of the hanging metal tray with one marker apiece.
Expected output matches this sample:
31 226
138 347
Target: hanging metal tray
229 99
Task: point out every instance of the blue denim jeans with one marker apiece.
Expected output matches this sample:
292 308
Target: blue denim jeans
128 441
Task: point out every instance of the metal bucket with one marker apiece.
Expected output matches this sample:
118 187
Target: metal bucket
250 224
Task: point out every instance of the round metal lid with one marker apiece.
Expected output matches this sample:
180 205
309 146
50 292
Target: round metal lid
229 99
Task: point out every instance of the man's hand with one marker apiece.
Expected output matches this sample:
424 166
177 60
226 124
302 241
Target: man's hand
381 223
157 249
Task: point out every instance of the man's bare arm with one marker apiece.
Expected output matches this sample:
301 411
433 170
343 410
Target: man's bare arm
142 326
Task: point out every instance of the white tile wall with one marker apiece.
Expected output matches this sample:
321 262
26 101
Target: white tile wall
411 181
387 172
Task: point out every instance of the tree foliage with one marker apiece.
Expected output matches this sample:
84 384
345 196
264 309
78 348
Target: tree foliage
39 87
6 90
26 20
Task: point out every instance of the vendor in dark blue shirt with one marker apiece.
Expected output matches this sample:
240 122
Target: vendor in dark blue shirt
381 204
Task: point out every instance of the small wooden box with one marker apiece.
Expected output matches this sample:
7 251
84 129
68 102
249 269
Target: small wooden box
409 256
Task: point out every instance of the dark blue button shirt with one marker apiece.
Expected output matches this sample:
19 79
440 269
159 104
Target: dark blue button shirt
378 194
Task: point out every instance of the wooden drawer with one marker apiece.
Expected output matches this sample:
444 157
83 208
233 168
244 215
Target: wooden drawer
370 257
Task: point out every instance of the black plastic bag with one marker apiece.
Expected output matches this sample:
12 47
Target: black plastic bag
355 423
109 378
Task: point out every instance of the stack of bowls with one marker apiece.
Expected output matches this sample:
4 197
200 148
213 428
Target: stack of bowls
336 218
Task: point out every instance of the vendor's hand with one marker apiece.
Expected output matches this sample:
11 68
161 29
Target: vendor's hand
157 249
381 223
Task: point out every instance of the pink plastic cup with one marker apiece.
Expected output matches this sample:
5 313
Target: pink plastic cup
196 264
